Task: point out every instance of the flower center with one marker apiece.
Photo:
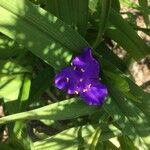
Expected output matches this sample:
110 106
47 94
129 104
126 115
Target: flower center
88 87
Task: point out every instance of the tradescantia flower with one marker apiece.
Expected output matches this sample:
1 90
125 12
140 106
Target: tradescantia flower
82 78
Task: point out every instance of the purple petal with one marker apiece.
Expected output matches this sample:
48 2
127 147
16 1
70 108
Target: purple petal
87 64
67 80
86 57
95 94
60 82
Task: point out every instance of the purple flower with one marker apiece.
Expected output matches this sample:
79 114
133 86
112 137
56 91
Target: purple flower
82 78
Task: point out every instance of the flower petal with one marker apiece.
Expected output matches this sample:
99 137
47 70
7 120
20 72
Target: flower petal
84 58
95 95
60 82
67 79
87 64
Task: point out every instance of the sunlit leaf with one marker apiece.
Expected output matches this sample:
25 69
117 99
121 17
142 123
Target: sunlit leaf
73 138
74 13
67 109
48 37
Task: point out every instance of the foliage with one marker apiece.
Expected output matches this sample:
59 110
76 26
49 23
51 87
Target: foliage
40 37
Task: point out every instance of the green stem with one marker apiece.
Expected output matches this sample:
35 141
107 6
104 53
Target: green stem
105 7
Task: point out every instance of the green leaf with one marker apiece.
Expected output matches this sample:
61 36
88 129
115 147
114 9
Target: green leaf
126 143
25 90
126 36
116 5
117 81
105 8
73 138
129 115
10 86
144 97
5 146
135 93
10 67
108 54
144 9
19 128
66 109
94 139
118 117
9 48
41 82
72 12
15 144
11 77
40 32
93 5
130 4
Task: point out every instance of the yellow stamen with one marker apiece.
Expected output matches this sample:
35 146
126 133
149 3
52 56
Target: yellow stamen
67 79
81 80
85 90
82 70
74 68
89 85
76 92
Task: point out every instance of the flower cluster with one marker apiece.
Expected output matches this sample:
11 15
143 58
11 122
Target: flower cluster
82 78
